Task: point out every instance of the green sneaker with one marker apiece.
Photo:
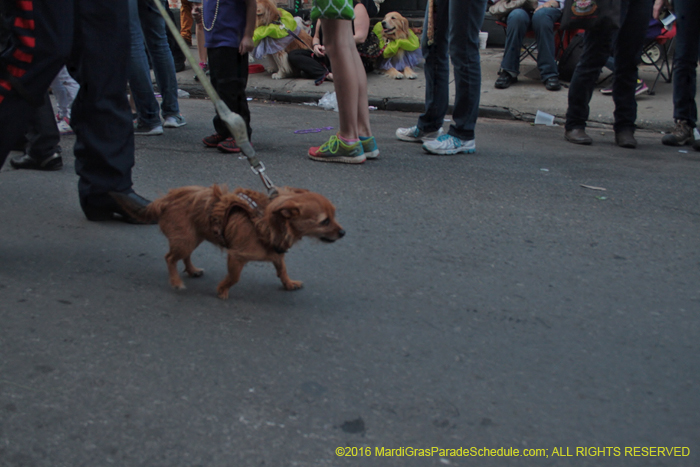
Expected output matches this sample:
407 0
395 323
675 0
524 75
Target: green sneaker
369 144
335 150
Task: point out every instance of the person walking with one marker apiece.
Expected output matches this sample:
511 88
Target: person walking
42 39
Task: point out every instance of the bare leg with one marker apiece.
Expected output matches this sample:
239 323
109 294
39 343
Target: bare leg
363 102
201 49
340 47
282 274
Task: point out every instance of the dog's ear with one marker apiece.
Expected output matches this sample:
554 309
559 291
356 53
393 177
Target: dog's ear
403 25
288 209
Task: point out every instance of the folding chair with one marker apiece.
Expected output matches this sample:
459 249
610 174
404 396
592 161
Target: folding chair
561 40
529 48
663 40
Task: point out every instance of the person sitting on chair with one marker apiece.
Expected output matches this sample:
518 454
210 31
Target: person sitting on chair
542 21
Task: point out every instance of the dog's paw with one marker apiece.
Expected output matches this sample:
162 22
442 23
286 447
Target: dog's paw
277 75
410 74
179 286
195 272
293 285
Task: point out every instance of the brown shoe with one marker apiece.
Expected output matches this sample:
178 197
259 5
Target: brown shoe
577 136
625 138
681 134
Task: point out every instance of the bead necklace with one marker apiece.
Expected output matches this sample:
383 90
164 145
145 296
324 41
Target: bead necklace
216 12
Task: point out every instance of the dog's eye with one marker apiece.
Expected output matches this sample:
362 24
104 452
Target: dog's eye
325 222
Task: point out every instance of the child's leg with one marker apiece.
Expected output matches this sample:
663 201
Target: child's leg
229 75
340 47
363 102
201 49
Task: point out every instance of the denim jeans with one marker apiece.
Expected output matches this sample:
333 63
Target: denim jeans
457 25
146 22
635 16
542 22
685 60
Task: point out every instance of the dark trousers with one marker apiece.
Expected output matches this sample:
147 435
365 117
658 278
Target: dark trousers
43 137
93 35
685 60
457 24
310 66
634 22
228 71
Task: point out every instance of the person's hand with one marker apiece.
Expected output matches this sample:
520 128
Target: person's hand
549 4
658 5
320 50
246 45
197 14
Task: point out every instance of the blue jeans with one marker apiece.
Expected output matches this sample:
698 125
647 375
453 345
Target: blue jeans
542 23
635 16
457 25
146 22
685 60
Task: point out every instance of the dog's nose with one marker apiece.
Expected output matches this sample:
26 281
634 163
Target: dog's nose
341 233
384 24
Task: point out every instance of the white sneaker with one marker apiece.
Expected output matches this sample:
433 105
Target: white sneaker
448 145
414 135
174 121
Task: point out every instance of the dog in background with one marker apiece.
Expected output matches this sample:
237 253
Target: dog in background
267 40
402 52
248 224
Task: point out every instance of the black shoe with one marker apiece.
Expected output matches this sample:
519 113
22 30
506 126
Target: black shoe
625 138
25 161
504 80
577 136
105 208
552 84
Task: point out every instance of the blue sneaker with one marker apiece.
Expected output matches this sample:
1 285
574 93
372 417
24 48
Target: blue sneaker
449 145
335 150
369 144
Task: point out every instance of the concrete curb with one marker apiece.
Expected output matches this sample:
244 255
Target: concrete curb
399 104
196 91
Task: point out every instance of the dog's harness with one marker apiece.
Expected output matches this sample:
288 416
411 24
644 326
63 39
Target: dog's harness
257 213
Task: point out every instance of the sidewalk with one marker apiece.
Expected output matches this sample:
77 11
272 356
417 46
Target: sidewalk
520 101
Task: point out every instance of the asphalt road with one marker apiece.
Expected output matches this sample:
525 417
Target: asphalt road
484 301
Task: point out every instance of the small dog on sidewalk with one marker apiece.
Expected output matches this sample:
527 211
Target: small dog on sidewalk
247 224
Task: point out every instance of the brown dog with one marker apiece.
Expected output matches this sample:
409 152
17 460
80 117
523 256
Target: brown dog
267 13
247 223
395 26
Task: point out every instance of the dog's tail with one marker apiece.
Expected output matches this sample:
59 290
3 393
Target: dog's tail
148 214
